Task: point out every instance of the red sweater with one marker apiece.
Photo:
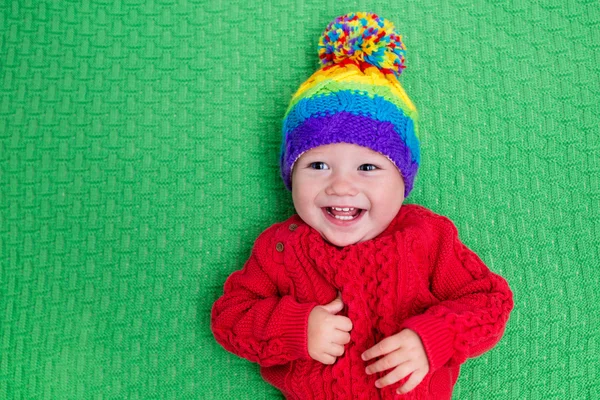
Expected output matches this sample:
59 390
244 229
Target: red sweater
416 275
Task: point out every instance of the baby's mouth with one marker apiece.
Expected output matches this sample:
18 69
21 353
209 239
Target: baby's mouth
344 213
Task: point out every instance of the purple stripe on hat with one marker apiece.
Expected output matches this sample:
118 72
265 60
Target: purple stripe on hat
344 127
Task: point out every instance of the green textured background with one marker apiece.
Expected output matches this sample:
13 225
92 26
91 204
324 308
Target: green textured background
138 152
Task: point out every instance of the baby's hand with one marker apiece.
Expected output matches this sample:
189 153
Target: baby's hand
405 353
327 332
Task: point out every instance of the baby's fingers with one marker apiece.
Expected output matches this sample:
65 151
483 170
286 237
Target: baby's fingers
335 350
398 373
392 360
412 382
327 359
340 337
386 346
343 323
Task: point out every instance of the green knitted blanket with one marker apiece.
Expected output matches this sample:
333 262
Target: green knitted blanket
139 145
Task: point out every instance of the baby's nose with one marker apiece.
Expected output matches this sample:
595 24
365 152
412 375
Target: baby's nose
341 186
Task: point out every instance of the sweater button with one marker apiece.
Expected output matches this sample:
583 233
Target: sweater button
293 227
279 247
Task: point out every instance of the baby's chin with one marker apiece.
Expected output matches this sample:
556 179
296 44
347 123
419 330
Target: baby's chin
343 240
339 243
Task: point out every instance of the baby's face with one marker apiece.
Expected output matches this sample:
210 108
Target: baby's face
348 193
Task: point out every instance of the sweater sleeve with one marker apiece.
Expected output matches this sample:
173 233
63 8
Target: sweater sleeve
253 321
474 303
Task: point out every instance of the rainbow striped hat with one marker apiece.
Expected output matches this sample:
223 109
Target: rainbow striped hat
355 97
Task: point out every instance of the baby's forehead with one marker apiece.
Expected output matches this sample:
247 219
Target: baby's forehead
343 148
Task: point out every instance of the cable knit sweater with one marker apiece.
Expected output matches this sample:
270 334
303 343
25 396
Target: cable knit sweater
416 275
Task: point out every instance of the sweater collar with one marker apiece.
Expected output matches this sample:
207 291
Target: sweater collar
339 265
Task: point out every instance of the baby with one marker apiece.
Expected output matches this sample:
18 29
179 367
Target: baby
358 295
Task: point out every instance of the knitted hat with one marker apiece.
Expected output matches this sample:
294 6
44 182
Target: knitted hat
355 97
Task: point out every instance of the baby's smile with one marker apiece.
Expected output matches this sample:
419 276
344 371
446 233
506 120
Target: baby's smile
343 213
343 216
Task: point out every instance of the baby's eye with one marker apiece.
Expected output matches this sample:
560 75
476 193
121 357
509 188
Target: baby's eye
319 165
367 167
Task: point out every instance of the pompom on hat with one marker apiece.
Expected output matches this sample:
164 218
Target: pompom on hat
355 97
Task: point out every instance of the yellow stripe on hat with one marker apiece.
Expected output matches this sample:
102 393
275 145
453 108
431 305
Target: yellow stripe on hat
351 73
